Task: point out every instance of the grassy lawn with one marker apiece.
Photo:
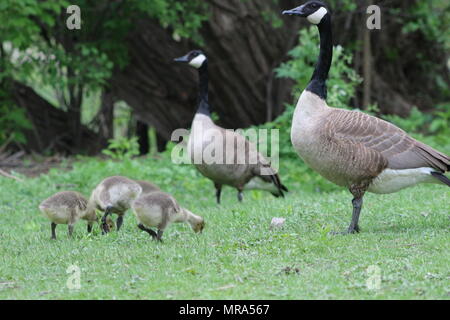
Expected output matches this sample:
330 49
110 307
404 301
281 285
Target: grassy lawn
405 235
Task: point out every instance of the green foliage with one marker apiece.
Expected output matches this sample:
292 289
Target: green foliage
431 18
184 17
61 70
272 17
441 123
18 25
122 148
13 122
342 5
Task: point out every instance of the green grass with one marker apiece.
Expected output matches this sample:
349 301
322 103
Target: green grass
405 234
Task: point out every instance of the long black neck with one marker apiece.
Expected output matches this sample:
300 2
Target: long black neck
203 104
317 84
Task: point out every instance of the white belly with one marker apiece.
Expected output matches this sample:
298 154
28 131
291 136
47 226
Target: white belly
60 215
390 180
150 216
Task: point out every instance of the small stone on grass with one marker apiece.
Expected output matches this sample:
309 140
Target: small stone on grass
277 223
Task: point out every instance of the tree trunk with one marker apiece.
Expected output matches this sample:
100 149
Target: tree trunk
50 130
161 143
367 64
74 109
143 139
105 117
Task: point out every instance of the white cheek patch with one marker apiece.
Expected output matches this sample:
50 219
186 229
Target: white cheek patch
197 61
317 16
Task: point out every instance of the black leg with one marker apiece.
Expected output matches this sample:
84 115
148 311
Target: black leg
159 235
149 231
105 227
357 191
53 230
119 222
240 196
89 228
70 227
218 191
357 205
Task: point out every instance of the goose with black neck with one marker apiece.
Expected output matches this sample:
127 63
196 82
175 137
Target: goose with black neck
350 148
205 133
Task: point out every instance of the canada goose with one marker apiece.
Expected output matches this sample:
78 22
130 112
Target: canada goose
66 207
238 174
350 148
114 195
159 209
147 187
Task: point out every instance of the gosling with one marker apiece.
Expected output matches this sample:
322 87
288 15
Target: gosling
147 187
159 209
114 195
66 207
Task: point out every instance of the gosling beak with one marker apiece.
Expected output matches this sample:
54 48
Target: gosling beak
296 11
182 59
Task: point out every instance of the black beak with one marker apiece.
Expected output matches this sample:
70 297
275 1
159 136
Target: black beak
182 59
295 12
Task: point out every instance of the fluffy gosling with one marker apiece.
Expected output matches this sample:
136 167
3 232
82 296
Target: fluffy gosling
66 207
159 209
113 195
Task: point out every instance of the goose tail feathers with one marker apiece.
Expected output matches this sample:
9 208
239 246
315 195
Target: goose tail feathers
441 177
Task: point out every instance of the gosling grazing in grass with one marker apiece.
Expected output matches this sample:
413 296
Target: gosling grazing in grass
66 207
114 195
231 171
160 209
350 148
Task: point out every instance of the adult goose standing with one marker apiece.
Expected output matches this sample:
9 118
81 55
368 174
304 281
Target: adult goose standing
350 148
231 171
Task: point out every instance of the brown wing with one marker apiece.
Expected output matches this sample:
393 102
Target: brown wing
262 167
392 143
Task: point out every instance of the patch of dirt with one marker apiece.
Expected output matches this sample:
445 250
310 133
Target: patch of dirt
30 165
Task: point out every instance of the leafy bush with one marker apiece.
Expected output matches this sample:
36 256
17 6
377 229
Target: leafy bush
441 123
13 122
122 148
431 18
